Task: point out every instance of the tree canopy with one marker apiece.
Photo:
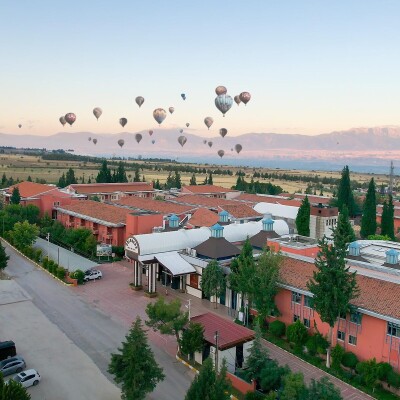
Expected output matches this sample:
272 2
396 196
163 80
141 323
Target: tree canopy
15 196
24 234
3 257
213 280
303 218
343 234
192 338
368 221
387 219
12 390
345 194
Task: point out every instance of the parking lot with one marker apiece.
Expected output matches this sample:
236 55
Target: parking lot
66 371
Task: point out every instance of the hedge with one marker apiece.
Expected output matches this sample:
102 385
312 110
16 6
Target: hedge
277 328
349 360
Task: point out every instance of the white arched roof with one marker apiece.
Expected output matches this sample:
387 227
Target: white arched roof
160 242
277 210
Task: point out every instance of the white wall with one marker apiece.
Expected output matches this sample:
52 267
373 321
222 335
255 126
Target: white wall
246 350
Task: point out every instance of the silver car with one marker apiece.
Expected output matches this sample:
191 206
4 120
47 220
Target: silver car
12 365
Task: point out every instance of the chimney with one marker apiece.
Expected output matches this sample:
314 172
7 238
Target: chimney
354 249
217 231
173 221
223 216
268 224
392 257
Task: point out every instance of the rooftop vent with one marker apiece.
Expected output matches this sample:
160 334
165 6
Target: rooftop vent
392 257
223 216
354 249
268 224
217 231
173 221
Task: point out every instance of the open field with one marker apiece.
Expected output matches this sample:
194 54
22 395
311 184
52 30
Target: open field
22 166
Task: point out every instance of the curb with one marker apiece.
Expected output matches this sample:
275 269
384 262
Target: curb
35 263
197 371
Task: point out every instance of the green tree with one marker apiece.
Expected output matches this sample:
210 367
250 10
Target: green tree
297 333
192 339
193 180
210 179
369 371
368 221
378 237
12 390
294 387
213 281
3 257
384 218
136 178
24 234
209 385
120 175
272 375
15 196
135 367
70 177
80 239
345 194
61 182
303 218
387 219
177 180
343 234
323 389
333 286
266 284
167 317
104 174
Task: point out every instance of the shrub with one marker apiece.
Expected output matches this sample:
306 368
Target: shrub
369 372
254 396
28 251
277 328
393 379
61 273
322 343
337 355
118 250
311 346
38 255
45 263
79 275
297 333
349 360
383 370
51 266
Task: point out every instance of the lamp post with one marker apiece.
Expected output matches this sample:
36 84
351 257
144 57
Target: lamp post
188 307
48 245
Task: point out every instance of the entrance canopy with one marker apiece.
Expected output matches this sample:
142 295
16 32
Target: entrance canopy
174 263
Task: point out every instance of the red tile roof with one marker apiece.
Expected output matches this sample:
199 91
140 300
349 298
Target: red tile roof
196 200
229 333
240 211
92 188
203 217
253 198
31 189
95 209
207 189
160 206
376 295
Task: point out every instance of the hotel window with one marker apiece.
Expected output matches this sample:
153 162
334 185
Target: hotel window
352 340
56 203
306 322
355 318
296 297
341 335
393 329
295 317
308 301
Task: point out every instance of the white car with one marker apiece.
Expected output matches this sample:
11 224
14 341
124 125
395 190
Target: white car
27 378
92 275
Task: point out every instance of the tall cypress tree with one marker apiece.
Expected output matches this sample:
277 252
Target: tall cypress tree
384 218
193 180
303 218
104 175
368 221
345 194
343 234
387 219
210 179
136 178
15 196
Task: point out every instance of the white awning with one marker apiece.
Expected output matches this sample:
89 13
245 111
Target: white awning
174 263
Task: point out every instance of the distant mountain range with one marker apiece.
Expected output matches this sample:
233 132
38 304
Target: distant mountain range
364 148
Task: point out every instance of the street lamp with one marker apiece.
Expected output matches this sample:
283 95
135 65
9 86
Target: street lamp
188 307
48 245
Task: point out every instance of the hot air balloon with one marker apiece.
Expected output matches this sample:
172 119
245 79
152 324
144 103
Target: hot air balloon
231 149
139 101
183 95
210 144
171 110
121 142
62 120
237 99
220 90
223 103
220 153
187 124
19 126
138 137
245 97
97 112
208 121
182 140
238 148
204 141
223 132
123 122
89 138
159 115
153 141
95 141
150 132
70 118
180 130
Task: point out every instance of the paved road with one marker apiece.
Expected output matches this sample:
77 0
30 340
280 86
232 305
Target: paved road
92 331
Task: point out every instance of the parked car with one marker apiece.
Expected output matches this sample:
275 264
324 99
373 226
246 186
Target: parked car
92 275
12 365
7 349
30 377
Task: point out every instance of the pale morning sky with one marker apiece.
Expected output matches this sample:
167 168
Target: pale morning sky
311 66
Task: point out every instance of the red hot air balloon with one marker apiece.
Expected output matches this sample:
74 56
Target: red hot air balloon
220 90
245 97
70 118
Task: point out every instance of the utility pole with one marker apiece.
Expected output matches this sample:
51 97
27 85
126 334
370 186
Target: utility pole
216 351
391 176
48 245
